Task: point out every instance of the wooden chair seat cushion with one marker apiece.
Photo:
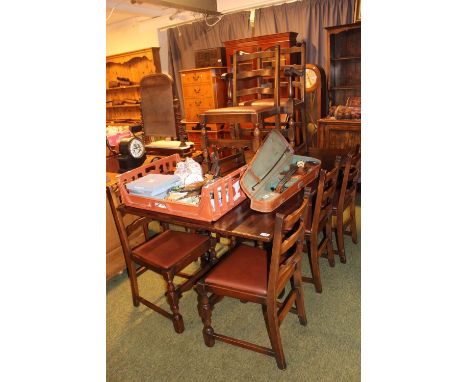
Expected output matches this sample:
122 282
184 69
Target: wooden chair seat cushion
171 248
253 109
245 270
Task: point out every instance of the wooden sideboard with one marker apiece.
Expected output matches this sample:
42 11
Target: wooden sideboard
203 89
338 133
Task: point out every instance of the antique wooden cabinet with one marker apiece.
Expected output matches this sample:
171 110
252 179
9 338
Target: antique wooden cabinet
123 74
343 69
203 89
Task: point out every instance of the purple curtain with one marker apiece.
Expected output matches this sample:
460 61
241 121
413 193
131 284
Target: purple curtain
308 18
185 39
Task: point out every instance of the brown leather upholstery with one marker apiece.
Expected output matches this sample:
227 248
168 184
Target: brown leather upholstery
245 269
169 248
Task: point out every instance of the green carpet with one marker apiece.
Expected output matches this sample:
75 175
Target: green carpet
142 345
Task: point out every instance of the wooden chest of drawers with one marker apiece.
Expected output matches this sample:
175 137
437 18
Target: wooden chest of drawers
203 89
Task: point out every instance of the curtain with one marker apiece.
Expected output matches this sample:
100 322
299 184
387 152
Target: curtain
307 18
185 39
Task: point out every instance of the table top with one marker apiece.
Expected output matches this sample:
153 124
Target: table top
241 221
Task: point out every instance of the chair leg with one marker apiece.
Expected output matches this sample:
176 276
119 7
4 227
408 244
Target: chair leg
173 301
275 338
291 132
340 236
204 144
328 238
312 254
352 213
256 142
297 282
133 282
204 310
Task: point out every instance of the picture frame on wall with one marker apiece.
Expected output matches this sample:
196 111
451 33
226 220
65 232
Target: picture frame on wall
357 10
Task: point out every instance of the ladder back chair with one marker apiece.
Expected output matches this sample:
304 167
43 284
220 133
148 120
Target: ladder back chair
252 274
255 75
344 203
321 222
166 254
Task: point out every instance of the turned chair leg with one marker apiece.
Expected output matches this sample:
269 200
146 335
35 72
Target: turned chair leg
204 144
256 141
204 310
173 301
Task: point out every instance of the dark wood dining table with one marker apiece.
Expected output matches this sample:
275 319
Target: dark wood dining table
242 221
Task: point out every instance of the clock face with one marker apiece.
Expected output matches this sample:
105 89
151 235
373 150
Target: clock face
311 80
136 149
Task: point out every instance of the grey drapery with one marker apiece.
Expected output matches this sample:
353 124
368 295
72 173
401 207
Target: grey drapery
185 39
307 18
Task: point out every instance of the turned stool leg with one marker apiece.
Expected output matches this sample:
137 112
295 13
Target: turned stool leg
204 310
173 301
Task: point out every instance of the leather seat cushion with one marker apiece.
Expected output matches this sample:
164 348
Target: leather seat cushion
239 110
170 248
245 270
267 102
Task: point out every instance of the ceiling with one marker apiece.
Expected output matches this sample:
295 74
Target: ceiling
119 10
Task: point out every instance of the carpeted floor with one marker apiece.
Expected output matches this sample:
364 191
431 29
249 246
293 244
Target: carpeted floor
142 345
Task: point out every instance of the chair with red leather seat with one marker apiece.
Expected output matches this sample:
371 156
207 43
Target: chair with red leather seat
166 254
321 222
248 274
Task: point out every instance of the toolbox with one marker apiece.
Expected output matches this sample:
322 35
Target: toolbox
275 174
216 198
153 185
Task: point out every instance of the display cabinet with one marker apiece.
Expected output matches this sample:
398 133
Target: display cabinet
123 74
343 70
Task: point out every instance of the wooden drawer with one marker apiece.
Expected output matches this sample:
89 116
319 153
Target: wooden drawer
196 77
199 90
193 107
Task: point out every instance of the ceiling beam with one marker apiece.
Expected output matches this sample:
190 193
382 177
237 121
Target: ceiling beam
208 7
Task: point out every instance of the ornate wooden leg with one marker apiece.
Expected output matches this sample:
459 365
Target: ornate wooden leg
340 237
328 233
173 301
256 142
275 338
232 131
204 310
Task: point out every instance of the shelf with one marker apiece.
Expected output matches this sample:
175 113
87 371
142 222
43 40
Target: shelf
346 58
117 106
123 87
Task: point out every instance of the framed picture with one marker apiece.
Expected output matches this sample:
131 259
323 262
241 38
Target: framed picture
357 10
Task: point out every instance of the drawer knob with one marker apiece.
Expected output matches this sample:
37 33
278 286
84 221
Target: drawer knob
197 103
